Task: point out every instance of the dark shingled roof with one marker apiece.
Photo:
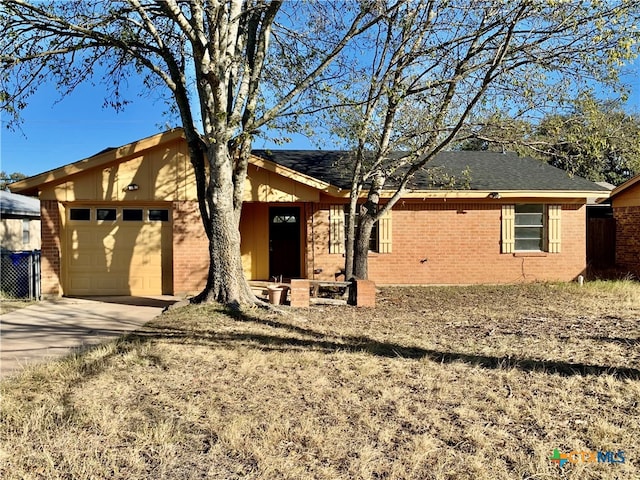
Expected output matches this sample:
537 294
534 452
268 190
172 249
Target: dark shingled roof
486 170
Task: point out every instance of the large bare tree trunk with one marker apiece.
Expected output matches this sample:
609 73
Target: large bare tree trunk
369 215
226 282
361 253
349 238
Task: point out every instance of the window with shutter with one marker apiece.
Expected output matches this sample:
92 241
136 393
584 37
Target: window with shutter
531 228
380 241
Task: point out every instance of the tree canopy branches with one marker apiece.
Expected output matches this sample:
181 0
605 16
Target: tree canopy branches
438 66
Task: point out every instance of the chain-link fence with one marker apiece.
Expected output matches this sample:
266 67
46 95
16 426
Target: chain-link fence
20 274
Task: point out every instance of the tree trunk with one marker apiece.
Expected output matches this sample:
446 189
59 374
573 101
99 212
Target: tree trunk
350 233
361 253
368 217
226 282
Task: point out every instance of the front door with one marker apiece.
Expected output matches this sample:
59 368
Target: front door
284 242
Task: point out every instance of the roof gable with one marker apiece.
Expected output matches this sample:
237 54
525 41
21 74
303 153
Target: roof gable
626 186
159 166
31 185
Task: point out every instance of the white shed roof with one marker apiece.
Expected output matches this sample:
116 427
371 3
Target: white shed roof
18 205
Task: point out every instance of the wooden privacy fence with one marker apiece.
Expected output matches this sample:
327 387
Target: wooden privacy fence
601 242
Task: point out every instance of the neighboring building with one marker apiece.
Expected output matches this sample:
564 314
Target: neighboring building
19 222
126 221
625 200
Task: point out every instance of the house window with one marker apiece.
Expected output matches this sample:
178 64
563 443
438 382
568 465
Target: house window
379 242
81 214
531 228
132 214
106 214
26 232
373 239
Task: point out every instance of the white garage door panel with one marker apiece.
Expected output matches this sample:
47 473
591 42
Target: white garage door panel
118 258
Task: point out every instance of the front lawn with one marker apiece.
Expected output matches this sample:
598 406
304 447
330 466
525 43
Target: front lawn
435 383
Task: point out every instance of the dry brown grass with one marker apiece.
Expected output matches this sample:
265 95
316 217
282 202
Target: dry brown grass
435 383
8 304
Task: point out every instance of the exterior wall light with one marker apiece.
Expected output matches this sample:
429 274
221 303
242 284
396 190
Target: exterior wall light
132 187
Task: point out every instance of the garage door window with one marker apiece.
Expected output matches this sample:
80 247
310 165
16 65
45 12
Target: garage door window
106 214
132 214
82 214
158 215
110 214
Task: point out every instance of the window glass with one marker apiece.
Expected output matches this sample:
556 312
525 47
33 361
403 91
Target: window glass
132 214
26 232
285 219
106 214
529 228
80 214
158 215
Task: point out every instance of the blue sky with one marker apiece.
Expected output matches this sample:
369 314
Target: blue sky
57 132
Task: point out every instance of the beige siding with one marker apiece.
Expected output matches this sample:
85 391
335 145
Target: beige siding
254 231
627 198
161 174
165 174
265 186
11 234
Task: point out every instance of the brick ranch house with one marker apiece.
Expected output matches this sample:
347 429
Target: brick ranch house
126 222
625 201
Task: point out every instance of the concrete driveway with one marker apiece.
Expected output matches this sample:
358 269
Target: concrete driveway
52 328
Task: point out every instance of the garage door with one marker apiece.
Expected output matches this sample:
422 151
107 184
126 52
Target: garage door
118 251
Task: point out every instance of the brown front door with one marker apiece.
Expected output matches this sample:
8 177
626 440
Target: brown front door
284 242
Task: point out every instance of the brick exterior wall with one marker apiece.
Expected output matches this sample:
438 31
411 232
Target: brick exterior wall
432 243
299 297
365 293
190 249
628 238
449 243
51 254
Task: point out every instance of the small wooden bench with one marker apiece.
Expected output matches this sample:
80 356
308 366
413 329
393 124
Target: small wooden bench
303 292
316 285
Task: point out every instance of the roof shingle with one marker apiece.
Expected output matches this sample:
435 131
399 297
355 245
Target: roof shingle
485 170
